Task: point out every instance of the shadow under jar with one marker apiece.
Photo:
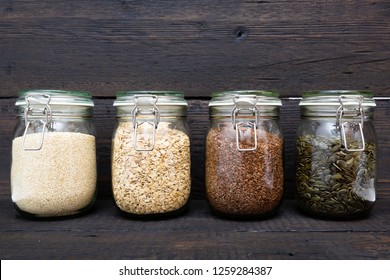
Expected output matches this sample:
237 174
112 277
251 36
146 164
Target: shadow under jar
336 154
244 148
151 154
53 169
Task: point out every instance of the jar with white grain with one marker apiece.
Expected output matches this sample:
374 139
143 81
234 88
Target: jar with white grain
53 169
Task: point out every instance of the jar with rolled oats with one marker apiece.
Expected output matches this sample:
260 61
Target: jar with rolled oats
151 160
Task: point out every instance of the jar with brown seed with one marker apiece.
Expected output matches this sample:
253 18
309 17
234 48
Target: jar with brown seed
336 154
53 169
244 148
151 154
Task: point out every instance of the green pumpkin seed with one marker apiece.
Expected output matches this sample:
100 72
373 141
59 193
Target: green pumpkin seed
327 175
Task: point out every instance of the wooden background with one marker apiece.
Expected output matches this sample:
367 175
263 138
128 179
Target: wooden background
197 47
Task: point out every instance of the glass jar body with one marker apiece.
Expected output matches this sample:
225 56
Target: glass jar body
151 166
332 181
244 183
53 169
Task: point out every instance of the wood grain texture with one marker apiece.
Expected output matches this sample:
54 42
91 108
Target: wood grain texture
199 47
195 46
104 234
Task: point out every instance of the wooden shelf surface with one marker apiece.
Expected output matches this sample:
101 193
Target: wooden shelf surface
105 234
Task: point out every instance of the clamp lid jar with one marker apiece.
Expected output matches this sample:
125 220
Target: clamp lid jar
151 154
244 147
336 154
53 169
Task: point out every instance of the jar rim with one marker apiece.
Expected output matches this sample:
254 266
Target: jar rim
163 97
122 93
245 92
332 97
332 92
58 97
226 98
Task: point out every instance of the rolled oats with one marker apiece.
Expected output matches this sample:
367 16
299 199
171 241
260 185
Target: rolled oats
150 182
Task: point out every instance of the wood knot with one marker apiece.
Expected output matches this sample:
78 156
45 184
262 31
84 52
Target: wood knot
124 5
240 33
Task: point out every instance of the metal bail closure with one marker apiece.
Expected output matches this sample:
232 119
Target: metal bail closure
245 105
355 126
36 103
145 105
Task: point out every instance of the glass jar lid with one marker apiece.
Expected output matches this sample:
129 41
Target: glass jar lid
332 98
265 102
162 98
165 103
55 97
326 103
226 98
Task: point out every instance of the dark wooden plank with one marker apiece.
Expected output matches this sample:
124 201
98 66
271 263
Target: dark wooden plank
197 9
194 246
198 123
106 218
195 46
7 124
103 234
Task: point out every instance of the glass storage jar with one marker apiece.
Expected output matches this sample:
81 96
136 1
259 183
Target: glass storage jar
244 154
336 154
53 169
151 162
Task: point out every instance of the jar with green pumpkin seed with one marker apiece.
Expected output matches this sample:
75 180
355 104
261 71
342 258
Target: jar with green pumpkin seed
336 154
